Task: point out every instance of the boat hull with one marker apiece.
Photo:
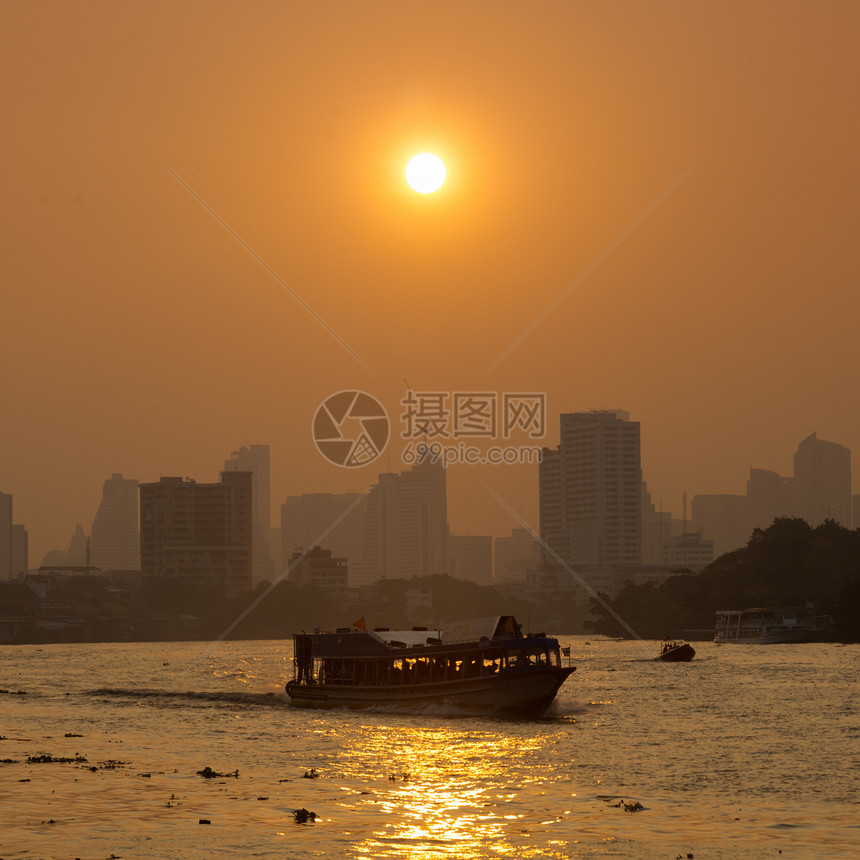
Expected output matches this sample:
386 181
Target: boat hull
525 694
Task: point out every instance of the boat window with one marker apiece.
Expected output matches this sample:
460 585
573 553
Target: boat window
490 665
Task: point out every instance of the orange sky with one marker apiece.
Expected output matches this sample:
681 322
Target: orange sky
141 337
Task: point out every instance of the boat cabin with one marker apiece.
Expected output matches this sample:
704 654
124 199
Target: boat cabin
484 647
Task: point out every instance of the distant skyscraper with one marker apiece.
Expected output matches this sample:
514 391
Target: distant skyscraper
407 523
656 530
471 557
689 551
198 533
514 555
5 536
723 519
255 459
768 496
822 481
115 540
306 518
77 554
20 549
591 490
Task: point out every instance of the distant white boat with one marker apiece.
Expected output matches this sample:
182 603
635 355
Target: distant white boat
770 626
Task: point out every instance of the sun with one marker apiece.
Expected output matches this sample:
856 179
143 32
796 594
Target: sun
425 173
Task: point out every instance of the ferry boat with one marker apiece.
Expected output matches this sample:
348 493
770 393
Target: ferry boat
769 626
483 666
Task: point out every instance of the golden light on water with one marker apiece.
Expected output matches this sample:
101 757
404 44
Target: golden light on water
451 793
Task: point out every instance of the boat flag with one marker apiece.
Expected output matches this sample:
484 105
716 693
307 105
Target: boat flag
566 651
360 624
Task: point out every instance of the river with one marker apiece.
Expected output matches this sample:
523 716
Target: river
747 751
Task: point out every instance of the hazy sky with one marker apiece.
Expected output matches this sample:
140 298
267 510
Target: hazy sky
140 336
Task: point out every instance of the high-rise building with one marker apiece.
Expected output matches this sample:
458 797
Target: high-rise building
591 490
255 459
407 523
656 530
769 496
5 536
198 533
307 521
723 519
115 539
77 554
516 554
689 550
471 557
822 481
20 549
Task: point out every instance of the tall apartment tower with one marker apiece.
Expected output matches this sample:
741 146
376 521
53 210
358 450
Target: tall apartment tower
13 542
115 539
471 557
198 533
769 496
822 481
5 536
513 556
255 459
591 490
407 523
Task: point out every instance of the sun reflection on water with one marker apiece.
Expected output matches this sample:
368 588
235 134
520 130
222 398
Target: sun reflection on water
446 793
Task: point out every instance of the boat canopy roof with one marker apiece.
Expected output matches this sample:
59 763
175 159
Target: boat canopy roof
501 626
492 627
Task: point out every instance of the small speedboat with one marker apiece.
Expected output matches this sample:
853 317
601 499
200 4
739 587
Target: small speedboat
676 652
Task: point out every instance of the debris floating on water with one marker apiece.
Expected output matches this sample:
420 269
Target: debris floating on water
208 773
303 816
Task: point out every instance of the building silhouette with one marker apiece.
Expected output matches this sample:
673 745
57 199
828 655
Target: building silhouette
115 537
515 554
76 555
198 533
656 530
307 520
769 496
822 481
723 518
317 567
255 459
407 523
591 490
13 542
819 490
471 557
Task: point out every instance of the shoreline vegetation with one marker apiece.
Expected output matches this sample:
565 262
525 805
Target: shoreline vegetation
788 564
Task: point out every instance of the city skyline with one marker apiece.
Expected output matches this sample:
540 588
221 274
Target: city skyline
207 232
302 520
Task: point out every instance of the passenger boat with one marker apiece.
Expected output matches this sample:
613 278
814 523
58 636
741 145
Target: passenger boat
770 625
484 666
676 652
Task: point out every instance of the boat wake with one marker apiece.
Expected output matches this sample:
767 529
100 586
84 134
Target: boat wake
191 696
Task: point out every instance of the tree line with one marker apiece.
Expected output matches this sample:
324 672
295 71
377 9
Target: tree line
790 563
